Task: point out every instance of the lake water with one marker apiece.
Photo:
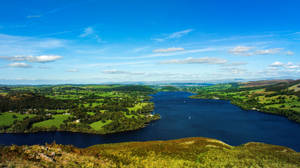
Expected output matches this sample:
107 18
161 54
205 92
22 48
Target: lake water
184 117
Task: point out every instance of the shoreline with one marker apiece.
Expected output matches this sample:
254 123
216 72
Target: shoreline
83 132
244 108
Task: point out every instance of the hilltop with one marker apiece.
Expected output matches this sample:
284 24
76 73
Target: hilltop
187 152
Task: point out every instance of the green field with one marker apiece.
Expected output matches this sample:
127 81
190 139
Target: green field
102 86
92 104
137 107
91 113
127 107
99 124
7 118
56 121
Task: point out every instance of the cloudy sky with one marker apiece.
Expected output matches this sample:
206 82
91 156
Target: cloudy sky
95 41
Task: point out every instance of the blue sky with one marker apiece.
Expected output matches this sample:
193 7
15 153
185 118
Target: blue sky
94 41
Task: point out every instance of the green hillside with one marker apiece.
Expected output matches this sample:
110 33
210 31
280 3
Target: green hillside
188 152
281 97
98 109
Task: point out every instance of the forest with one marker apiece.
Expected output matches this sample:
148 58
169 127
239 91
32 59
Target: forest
99 109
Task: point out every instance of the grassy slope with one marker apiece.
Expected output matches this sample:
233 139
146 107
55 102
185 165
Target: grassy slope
7 119
56 121
99 124
188 152
137 107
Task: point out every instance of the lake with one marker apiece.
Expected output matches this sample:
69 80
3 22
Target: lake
184 117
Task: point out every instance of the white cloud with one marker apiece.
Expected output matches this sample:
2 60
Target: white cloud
289 65
114 71
36 59
235 64
234 70
165 50
73 70
248 51
241 50
282 69
174 35
293 66
268 51
177 53
23 45
87 31
33 16
289 53
51 43
277 64
19 65
190 60
90 32
43 58
167 54
180 33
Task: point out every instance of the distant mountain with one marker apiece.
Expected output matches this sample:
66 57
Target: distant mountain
169 82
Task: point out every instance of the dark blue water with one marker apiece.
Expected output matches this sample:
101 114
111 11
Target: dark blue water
185 117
